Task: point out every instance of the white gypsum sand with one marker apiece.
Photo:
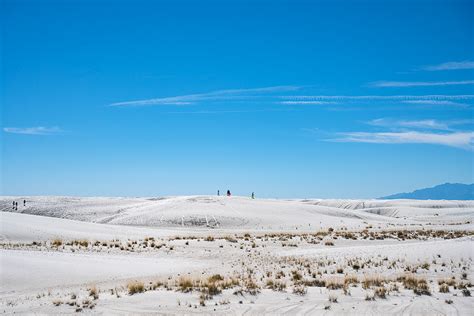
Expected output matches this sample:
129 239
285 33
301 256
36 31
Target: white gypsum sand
205 254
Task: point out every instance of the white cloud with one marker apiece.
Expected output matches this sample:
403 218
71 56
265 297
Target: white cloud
399 84
40 130
231 111
219 95
335 98
436 102
307 102
423 131
460 101
452 65
464 140
421 124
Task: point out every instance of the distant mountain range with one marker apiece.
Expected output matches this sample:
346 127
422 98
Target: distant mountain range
447 191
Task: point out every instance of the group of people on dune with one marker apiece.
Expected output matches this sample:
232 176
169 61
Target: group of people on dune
15 205
230 194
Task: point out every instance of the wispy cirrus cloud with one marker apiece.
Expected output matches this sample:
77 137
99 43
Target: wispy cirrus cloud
430 124
423 131
400 84
40 130
294 96
219 95
308 102
452 65
464 140
421 124
437 103
232 111
460 101
336 98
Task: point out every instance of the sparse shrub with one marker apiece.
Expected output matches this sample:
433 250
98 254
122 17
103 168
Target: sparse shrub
410 281
381 292
57 302
230 239
329 243
135 287
202 299
215 278
315 282
374 280
209 238
211 289
422 288
224 302
466 292
56 242
351 279
394 287
332 298
334 283
296 276
444 288
251 287
276 285
299 290
280 274
185 284
345 289
94 293
447 281
370 296
425 266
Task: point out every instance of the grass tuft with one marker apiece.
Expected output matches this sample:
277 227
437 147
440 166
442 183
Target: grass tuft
135 287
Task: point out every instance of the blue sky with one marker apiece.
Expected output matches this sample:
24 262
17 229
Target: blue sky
300 99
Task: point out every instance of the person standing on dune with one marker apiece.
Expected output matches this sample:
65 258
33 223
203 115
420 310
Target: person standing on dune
228 193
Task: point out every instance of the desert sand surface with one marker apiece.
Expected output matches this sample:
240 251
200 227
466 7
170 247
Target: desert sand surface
235 255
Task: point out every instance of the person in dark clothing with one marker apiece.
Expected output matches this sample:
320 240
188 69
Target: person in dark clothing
228 193
253 195
218 193
13 205
24 202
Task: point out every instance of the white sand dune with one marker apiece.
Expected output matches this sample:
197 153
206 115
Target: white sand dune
53 269
32 277
238 212
27 228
